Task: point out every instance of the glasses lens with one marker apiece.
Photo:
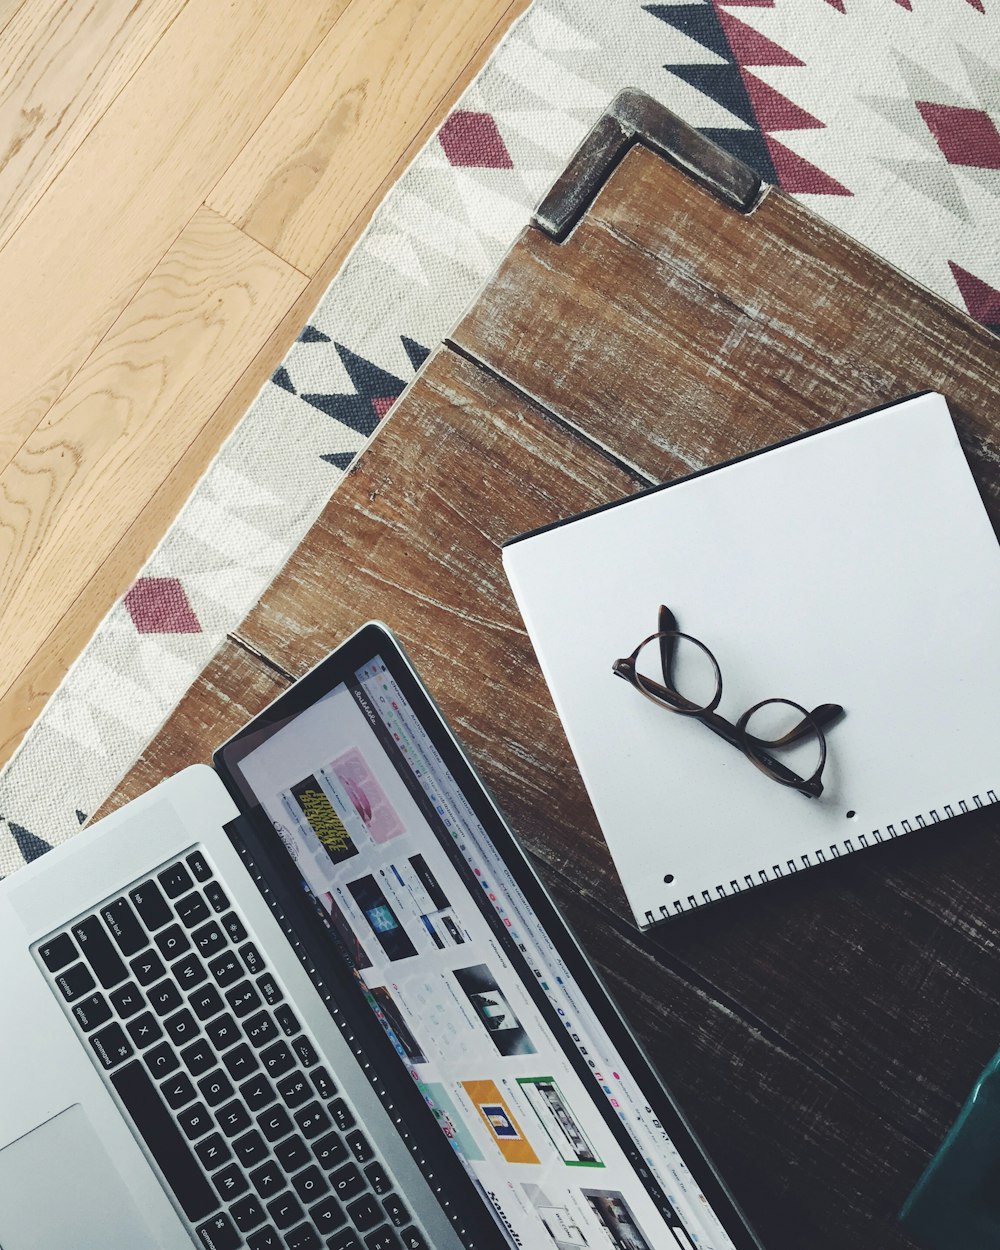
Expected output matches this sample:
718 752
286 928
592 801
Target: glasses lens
679 671
781 735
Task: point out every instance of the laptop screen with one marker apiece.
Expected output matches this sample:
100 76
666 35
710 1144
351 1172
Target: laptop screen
515 1067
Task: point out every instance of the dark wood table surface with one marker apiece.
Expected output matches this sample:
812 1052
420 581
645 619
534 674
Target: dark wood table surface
822 1032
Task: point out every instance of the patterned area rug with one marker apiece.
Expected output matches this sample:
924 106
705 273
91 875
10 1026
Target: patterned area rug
881 115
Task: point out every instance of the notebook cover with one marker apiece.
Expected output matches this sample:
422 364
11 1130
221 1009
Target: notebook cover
854 564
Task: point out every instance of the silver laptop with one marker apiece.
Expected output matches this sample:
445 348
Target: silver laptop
315 998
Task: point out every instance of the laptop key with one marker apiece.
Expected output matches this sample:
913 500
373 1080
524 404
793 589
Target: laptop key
224 1032
248 1213
191 910
127 999
348 1182
178 1090
322 1083
205 1002
111 1046
342 1115
277 1059
176 880
194 1121
199 866
265 1239
128 933
230 1182
172 942
382 1239
209 939
213 1152
260 1029
96 948
412 1239
327 1215
274 1123
304 1049
285 1210
268 1181
258 1092
153 908
330 1150
233 1118
312 1120
198 1057
287 1021
233 925
164 997
161 1060
242 998
360 1147
377 1178
250 1149
92 1011
346 1239
181 1026
251 957
240 1061
395 1210
269 989
215 1088
294 1089
304 1237
57 952
74 982
292 1153
365 1213
144 1030
218 1233
226 969
147 968
216 895
310 1184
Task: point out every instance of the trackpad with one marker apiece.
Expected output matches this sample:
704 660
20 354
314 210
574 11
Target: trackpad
61 1189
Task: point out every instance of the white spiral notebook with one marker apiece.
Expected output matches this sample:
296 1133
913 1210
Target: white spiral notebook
855 565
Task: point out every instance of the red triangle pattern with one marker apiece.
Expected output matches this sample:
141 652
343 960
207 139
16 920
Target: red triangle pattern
978 5
905 4
382 404
981 299
775 111
838 5
749 47
798 176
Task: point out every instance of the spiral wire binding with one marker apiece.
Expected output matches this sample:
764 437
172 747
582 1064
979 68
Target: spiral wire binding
820 856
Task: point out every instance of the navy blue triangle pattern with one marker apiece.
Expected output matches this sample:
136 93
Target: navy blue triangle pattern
81 817
416 352
281 378
29 844
339 459
311 335
721 83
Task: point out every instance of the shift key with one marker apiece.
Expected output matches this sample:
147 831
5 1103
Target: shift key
96 948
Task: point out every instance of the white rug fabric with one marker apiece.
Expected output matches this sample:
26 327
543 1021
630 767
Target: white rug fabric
881 115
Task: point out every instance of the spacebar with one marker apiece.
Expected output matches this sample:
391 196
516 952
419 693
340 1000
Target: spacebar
164 1141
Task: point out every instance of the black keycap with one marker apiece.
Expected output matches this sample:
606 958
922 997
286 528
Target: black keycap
248 1213
74 982
57 952
157 1129
213 1152
111 1046
274 1123
312 1120
161 1060
178 1090
304 1049
285 1210
233 925
310 1184
216 895
92 1011
322 1083
226 969
215 1088
412 1239
330 1150
175 880
377 1178
147 967
181 1026
260 1029
342 1115
152 907
360 1147
251 957
287 1020
327 1215
189 972
127 999
218 1233
277 1059
224 1031
269 989
206 1002
303 1238
191 910
124 927
294 1089
258 1092
395 1210
208 940
144 1030
164 997
347 1182
268 1181
172 942
233 1118
199 866
265 1239
240 1061
365 1213
194 1121
382 1239
251 1148
292 1153
230 1182
243 998
198 1057
346 1239
97 949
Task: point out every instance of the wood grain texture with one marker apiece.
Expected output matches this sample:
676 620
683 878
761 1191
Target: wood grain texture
133 184
63 66
360 98
128 415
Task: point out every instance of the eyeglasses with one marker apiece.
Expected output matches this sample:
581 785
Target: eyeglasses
756 749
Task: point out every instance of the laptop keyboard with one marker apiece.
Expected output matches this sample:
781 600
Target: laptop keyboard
178 1008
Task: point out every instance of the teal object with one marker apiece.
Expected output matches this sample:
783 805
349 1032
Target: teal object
956 1204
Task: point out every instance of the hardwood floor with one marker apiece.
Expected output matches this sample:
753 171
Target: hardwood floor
179 182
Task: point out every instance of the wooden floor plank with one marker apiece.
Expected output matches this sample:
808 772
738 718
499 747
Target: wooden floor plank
63 65
335 133
128 415
133 184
